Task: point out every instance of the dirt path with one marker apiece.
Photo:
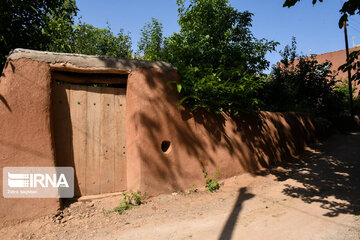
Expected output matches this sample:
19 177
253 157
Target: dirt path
316 197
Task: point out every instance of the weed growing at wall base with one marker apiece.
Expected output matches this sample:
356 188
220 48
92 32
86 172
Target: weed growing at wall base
212 183
129 201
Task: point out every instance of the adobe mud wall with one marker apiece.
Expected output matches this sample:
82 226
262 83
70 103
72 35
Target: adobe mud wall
25 131
26 115
247 143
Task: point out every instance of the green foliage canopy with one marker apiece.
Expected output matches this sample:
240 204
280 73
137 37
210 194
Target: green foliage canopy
349 7
34 24
302 84
151 40
49 25
219 59
59 27
87 39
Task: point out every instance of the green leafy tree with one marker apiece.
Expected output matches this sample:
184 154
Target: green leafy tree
303 85
49 25
349 8
289 54
59 27
151 40
87 39
219 59
34 24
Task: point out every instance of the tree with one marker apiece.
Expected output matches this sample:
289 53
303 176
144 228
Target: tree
60 27
151 40
349 8
288 55
300 83
49 25
219 59
32 24
87 39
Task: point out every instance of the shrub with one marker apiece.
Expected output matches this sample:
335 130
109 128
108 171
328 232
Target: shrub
211 184
129 201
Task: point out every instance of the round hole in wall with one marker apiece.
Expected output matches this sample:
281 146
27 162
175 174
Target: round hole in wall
165 146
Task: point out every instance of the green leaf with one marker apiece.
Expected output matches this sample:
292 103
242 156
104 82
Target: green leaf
186 98
179 87
171 82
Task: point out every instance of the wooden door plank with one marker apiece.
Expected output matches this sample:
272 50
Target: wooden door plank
62 125
92 180
78 106
120 149
108 136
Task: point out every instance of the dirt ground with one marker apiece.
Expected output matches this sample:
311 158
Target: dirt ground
314 197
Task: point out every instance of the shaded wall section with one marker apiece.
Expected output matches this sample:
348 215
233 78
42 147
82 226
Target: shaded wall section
247 143
25 131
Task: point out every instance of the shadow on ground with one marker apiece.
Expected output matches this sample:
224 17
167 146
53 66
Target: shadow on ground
231 221
329 175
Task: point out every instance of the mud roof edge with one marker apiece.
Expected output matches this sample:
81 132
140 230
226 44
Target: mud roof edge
88 61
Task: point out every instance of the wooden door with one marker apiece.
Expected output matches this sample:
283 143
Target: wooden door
89 132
